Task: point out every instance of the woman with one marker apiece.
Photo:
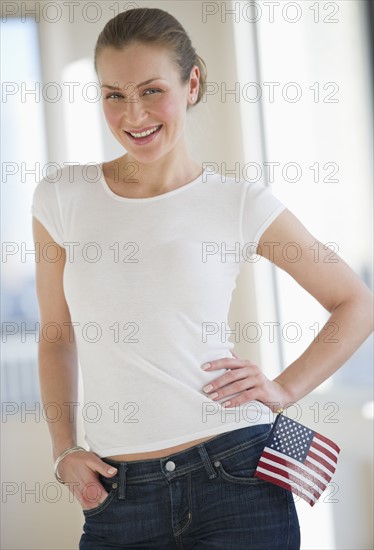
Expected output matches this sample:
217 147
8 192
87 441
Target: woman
141 275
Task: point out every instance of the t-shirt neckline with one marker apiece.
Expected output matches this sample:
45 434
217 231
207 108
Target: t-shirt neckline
148 199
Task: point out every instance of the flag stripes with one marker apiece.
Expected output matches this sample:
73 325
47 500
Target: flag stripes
298 459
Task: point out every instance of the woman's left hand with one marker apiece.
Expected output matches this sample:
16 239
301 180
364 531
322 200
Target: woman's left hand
245 377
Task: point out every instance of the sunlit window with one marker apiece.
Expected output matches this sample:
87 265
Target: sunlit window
311 134
82 107
318 133
24 153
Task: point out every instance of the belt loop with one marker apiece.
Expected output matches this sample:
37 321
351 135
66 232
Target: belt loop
206 461
122 480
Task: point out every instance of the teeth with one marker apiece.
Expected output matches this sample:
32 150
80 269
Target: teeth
147 133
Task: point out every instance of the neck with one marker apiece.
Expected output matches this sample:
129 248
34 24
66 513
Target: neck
160 176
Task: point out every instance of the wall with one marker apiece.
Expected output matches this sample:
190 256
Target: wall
50 519
216 131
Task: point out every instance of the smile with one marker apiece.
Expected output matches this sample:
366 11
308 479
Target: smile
142 138
146 133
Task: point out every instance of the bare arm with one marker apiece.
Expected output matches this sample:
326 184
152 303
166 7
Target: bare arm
58 365
337 288
58 376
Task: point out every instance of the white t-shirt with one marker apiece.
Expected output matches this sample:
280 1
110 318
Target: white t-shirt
148 282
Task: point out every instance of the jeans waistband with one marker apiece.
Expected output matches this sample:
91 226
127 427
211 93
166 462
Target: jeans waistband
199 456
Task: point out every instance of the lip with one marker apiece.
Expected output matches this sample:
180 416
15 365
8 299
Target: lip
146 139
143 129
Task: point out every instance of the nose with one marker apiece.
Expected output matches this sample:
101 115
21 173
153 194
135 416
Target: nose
134 113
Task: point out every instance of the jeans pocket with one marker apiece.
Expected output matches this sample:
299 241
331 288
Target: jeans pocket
240 466
111 486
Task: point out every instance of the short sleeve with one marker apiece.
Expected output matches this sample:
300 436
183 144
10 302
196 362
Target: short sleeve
260 207
46 208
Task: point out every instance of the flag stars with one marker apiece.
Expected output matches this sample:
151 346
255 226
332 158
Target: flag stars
293 440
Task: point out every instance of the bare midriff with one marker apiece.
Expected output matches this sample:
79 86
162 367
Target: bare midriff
160 452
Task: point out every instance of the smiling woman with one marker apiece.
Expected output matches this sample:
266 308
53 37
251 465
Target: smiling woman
161 50
147 116
182 441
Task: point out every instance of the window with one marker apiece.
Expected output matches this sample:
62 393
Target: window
24 153
310 134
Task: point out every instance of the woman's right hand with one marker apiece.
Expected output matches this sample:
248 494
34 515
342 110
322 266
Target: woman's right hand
79 470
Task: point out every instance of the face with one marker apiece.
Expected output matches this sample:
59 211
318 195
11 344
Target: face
146 94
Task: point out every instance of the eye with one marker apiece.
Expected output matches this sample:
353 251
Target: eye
112 95
116 95
152 90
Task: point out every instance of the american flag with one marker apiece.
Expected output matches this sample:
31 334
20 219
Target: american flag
298 459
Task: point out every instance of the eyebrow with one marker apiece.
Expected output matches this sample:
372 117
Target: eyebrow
141 83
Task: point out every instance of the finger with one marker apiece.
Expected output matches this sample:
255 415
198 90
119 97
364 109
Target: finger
244 397
98 465
235 385
226 378
249 376
228 363
225 363
98 492
90 491
240 363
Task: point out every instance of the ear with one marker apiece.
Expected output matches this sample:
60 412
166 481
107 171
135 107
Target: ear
194 83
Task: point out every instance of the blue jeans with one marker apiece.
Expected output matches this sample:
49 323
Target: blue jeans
204 498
